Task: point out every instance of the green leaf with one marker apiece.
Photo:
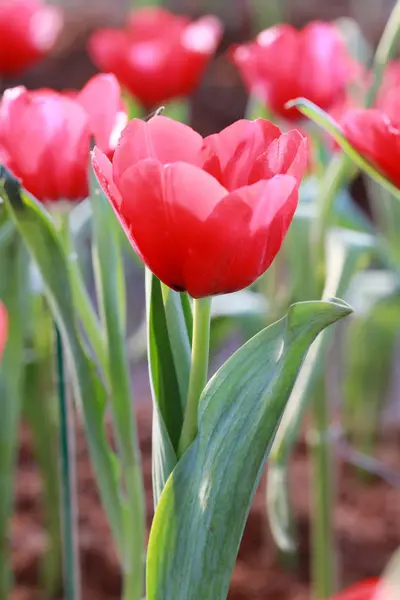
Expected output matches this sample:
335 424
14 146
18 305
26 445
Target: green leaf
111 294
202 511
347 252
167 401
14 292
40 236
321 118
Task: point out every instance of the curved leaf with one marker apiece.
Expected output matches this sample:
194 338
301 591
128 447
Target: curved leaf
40 236
202 511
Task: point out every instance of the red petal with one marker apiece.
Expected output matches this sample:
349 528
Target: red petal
373 136
287 154
101 99
49 145
230 154
241 237
364 590
107 48
3 328
165 209
160 138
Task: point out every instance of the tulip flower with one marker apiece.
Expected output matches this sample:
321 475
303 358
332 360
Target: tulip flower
205 215
364 590
3 328
159 56
284 63
372 133
28 31
46 135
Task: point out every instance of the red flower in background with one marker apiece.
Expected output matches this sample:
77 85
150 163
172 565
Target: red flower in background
284 63
206 215
28 31
159 55
367 590
376 138
46 135
3 328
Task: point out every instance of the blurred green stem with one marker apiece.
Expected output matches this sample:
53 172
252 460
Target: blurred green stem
40 411
69 504
14 293
198 370
384 52
323 541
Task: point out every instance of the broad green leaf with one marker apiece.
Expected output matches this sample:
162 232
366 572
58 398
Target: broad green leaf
347 252
321 118
167 401
111 294
202 511
14 293
40 237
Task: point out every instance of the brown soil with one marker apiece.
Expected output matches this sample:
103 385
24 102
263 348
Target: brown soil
367 519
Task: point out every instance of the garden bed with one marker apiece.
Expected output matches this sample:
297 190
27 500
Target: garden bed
367 519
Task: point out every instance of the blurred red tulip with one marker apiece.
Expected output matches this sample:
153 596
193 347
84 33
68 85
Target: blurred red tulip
284 63
388 99
3 328
363 590
206 215
159 56
28 31
376 138
46 135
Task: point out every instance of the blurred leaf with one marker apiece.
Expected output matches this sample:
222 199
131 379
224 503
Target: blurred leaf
45 247
346 253
321 118
202 511
355 40
386 209
368 354
14 293
111 294
179 110
242 303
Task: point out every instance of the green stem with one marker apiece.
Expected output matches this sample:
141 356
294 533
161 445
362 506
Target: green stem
384 51
68 484
198 370
323 540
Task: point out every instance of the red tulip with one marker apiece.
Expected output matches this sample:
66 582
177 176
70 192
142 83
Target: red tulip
376 138
388 99
159 55
365 590
3 328
205 215
28 31
284 63
46 135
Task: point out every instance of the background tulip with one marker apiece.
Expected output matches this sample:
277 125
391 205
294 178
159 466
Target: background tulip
284 63
373 135
46 135
207 216
364 590
159 56
28 31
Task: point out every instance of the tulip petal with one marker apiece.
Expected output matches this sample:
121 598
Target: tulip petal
162 139
101 99
229 155
164 208
3 328
373 136
241 237
286 154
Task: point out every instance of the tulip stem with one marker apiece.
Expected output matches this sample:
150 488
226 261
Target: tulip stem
68 484
384 51
198 370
